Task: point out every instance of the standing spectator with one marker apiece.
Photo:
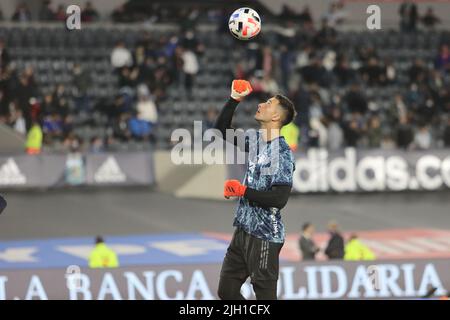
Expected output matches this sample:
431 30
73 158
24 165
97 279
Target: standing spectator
47 13
81 82
190 69
408 16
307 246
22 13
60 14
89 13
355 250
121 56
102 256
335 246
96 145
429 20
4 55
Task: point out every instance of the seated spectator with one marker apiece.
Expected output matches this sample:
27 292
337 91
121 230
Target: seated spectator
17 121
422 138
404 133
374 132
140 129
89 13
53 127
442 62
121 128
96 145
372 73
146 107
121 56
356 100
418 72
447 134
343 73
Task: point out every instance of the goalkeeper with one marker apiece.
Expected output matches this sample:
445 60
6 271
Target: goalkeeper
259 234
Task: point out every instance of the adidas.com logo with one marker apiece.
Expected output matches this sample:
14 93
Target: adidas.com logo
10 174
109 172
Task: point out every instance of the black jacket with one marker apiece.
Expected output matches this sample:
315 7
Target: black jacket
308 248
335 247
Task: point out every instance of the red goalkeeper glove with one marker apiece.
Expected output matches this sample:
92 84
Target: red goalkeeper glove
233 188
240 89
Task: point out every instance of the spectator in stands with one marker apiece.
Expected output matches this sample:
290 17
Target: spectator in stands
355 250
442 62
102 256
336 14
343 73
335 133
355 99
46 13
96 145
121 56
374 133
60 14
146 106
307 246
389 73
81 80
211 116
404 133
422 138
89 13
73 143
305 16
22 13
429 19
418 71
335 246
53 128
326 36
121 130
141 130
353 132
408 16
190 69
17 121
446 136
315 72
34 140
5 58
372 72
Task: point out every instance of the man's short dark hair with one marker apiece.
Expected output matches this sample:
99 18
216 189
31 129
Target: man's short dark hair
288 107
306 225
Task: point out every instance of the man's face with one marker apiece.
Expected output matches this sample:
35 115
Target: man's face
268 111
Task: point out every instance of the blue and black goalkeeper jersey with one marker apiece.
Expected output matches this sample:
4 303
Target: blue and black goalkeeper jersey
268 178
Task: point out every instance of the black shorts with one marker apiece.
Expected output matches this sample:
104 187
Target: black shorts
248 256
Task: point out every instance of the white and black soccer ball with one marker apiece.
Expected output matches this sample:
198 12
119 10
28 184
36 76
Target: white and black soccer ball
244 24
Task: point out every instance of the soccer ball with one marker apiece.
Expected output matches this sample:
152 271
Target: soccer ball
245 24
